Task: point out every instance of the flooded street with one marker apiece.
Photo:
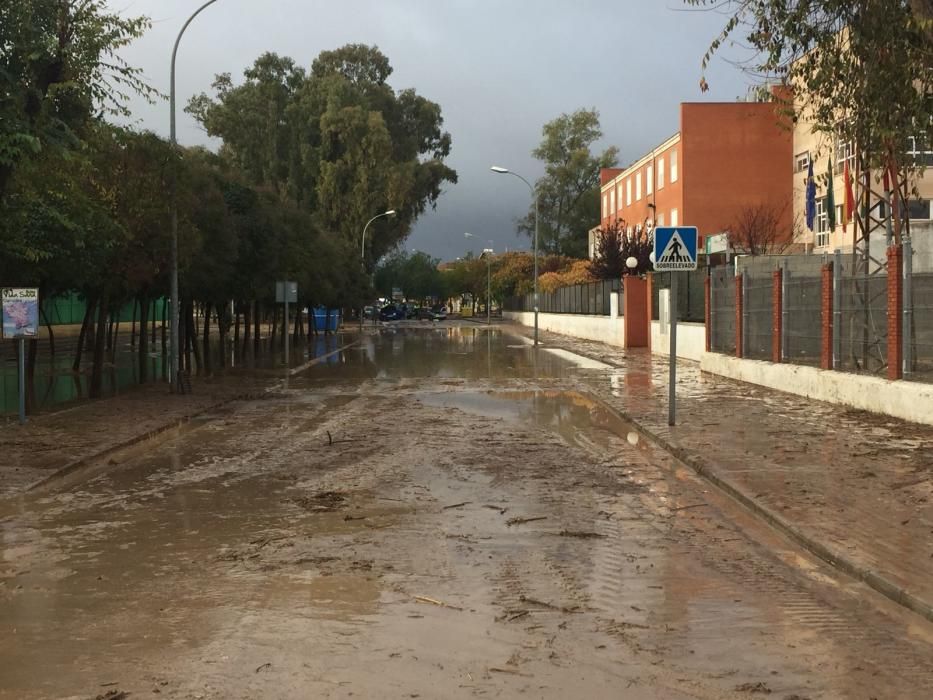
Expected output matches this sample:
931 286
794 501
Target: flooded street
437 512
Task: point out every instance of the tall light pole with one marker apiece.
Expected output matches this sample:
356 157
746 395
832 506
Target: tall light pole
534 193
390 212
486 252
174 350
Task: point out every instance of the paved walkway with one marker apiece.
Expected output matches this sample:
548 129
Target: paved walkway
858 484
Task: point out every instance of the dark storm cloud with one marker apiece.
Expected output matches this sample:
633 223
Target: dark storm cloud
499 70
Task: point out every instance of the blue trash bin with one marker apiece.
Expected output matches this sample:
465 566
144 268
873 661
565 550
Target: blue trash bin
319 317
333 321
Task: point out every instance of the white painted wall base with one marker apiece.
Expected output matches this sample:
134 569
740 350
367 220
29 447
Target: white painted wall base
691 340
601 328
910 401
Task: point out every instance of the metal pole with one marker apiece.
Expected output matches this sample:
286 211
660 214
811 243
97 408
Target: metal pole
672 380
285 322
908 312
785 314
22 381
174 370
535 193
837 309
488 288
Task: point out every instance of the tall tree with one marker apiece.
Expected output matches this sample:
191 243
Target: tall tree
59 65
568 194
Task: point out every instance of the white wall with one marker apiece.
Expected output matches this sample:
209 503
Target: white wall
601 328
911 401
691 340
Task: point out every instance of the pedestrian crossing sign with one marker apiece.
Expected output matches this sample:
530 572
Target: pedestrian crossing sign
675 248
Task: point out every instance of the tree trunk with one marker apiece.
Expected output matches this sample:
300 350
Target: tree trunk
48 325
257 321
113 347
100 339
206 340
31 355
88 312
133 327
164 353
275 318
236 324
143 357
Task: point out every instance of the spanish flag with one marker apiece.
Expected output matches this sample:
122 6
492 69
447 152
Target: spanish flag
849 205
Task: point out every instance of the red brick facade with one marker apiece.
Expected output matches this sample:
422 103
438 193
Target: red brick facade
895 318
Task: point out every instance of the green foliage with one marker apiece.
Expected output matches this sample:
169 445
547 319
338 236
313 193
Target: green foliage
59 65
568 194
863 69
416 274
338 141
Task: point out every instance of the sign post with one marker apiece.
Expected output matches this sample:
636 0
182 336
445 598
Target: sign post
20 311
675 250
286 292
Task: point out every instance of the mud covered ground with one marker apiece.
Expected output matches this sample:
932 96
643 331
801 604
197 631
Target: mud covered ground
436 513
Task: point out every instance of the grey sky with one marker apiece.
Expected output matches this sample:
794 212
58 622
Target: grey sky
499 70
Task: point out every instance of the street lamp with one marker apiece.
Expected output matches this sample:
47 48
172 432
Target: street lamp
390 212
505 171
174 368
488 252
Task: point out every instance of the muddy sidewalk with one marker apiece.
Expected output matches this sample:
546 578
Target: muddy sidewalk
859 484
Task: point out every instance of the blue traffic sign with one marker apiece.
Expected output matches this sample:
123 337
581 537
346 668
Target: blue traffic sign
675 248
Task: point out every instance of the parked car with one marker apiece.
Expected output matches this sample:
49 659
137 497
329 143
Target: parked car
438 312
425 314
391 312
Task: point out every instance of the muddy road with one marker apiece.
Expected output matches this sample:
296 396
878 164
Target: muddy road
435 512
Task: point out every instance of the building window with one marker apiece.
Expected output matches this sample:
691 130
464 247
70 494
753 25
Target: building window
920 149
650 179
673 217
918 209
628 192
673 170
638 186
605 205
822 223
660 173
845 153
612 201
802 162
620 196
660 219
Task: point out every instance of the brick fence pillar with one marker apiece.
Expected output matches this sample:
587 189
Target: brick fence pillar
649 302
739 314
636 314
895 309
826 317
707 299
777 317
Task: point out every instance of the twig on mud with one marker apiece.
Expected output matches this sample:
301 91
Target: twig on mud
548 606
498 508
457 505
331 441
521 521
263 667
579 534
354 517
494 669
692 505
434 601
515 616
263 541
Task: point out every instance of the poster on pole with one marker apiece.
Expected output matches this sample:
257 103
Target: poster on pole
20 307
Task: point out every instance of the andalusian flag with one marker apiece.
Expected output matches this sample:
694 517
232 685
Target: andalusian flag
830 204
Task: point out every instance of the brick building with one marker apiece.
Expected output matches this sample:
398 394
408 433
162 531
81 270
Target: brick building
724 158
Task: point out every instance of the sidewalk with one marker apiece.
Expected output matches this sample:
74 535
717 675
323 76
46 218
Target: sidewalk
53 441
854 487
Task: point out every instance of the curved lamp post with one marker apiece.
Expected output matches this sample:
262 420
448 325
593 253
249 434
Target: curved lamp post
534 193
390 212
486 252
174 350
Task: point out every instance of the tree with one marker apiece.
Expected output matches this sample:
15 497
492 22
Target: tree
862 69
608 261
568 194
337 141
59 65
757 230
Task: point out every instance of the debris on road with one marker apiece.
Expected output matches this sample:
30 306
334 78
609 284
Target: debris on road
521 521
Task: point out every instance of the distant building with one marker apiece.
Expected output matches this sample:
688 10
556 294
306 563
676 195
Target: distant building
726 157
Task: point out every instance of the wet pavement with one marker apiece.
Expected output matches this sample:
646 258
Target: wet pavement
438 511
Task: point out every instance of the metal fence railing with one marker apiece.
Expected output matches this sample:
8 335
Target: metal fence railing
592 298
920 332
722 310
691 303
757 322
863 321
802 320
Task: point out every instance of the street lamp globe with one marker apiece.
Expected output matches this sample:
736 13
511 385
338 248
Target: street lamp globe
632 262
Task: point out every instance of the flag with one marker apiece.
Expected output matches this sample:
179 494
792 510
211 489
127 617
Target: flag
830 205
849 205
811 197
